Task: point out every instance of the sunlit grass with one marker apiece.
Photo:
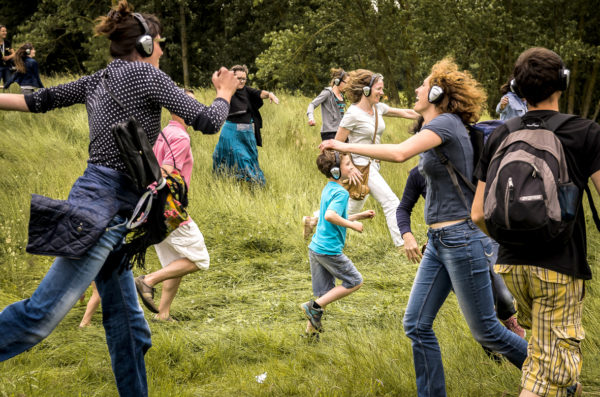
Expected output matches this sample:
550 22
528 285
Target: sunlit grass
240 318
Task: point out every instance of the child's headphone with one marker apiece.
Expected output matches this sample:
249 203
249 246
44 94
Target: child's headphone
144 44
367 89
435 95
338 80
335 170
564 76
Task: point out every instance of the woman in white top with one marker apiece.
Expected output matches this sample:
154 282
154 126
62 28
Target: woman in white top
365 89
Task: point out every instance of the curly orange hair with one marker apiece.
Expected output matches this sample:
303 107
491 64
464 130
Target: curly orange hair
463 95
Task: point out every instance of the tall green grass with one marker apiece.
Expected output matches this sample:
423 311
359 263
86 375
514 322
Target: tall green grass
240 318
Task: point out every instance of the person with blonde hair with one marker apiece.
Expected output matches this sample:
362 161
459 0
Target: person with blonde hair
457 251
365 90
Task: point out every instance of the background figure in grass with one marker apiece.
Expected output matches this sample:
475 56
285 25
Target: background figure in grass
456 257
332 103
7 54
510 104
27 73
105 196
236 152
183 251
365 90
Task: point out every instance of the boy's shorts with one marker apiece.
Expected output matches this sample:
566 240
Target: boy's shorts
325 269
184 242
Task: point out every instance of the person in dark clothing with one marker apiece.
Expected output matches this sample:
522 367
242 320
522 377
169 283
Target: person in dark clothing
236 152
104 197
27 74
7 53
548 281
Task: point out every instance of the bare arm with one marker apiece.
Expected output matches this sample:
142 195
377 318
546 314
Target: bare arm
477 208
342 134
362 215
333 217
397 153
13 102
404 113
268 94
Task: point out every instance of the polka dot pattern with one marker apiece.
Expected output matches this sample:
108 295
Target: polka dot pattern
143 90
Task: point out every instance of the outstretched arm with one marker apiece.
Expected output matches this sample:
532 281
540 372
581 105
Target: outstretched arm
404 113
397 153
268 94
13 102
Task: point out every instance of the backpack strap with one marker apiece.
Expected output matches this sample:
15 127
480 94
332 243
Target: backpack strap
453 171
592 206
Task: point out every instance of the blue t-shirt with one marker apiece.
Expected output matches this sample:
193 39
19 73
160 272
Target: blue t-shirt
329 239
442 202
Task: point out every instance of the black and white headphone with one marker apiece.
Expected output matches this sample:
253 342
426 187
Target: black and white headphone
144 44
436 94
367 89
28 51
564 76
335 170
338 80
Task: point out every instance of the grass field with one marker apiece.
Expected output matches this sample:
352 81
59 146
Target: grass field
240 318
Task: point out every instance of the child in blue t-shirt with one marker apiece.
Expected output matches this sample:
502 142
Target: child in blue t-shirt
327 261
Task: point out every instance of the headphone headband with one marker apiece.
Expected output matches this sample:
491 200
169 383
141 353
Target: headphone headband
144 44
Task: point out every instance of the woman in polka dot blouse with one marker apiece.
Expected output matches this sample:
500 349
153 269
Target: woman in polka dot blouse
102 199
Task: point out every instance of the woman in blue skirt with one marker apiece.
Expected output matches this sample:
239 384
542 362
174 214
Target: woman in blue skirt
236 152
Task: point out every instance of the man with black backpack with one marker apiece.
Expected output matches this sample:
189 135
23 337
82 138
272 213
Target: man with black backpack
532 175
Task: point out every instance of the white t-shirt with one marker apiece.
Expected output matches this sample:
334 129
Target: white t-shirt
362 126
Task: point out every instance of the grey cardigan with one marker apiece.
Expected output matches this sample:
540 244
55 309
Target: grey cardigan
330 113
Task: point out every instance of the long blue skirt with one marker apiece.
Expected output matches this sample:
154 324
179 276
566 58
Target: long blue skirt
236 153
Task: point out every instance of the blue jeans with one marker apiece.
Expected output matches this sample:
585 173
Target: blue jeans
24 324
455 259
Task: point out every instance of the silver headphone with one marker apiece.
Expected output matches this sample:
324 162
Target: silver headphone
144 44
436 93
338 80
367 89
335 170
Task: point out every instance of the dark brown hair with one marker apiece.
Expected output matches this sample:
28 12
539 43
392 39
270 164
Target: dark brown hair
20 57
326 161
537 74
123 30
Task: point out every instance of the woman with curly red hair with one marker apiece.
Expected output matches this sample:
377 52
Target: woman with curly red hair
457 254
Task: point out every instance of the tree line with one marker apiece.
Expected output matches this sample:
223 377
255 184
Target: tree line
292 44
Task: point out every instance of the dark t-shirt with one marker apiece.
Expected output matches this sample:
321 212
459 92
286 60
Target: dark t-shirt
240 110
581 142
4 52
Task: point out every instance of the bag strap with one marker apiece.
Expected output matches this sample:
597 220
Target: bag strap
452 171
592 206
114 97
376 123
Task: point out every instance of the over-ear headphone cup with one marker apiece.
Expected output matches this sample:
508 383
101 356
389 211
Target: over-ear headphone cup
145 45
337 81
366 91
515 88
335 173
435 95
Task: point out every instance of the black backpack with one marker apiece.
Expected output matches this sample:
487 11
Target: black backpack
529 198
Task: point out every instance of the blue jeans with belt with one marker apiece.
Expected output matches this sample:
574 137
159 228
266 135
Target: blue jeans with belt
455 259
26 323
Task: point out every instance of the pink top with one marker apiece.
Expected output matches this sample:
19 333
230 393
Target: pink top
179 140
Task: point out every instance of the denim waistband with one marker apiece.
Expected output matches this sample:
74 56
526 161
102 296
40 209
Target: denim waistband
466 224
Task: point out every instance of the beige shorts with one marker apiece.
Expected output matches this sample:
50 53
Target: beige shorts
184 242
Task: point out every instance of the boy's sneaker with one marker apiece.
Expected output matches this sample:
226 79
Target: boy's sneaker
308 226
312 314
575 390
514 326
